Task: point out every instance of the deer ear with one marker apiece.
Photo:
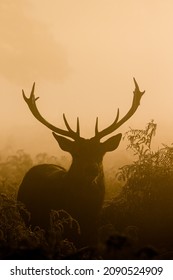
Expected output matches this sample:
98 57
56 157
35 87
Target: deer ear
112 143
65 144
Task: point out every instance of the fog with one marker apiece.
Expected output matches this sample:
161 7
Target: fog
83 56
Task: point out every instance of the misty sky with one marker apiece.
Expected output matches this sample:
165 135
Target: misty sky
83 56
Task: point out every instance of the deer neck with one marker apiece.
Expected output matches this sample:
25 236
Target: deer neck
86 174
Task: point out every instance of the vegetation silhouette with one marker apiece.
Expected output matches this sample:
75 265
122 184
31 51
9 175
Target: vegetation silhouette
136 224
80 190
144 209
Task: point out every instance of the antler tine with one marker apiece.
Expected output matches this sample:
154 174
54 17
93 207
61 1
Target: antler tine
78 127
117 117
66 123
136 84
31 102
96 126
115 121
137 94
135 103
32 97
68 126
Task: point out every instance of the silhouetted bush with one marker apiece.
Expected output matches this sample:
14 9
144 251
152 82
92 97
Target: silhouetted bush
135 224
20 242
144 209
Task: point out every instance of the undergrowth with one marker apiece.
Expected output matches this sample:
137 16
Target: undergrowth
142 212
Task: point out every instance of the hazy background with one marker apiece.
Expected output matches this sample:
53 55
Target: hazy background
83 56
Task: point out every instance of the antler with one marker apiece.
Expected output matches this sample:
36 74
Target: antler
135 103
31 102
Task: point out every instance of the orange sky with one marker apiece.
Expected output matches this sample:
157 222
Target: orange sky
83 56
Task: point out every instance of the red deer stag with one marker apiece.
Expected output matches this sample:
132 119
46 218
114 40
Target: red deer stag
80 190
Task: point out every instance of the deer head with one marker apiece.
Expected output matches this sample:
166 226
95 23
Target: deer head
88 153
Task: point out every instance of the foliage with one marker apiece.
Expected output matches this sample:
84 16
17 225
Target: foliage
145 203
146 176
12 171
140 139
142 211
19 241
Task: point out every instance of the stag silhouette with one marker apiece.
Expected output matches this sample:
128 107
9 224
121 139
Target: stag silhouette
80 190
